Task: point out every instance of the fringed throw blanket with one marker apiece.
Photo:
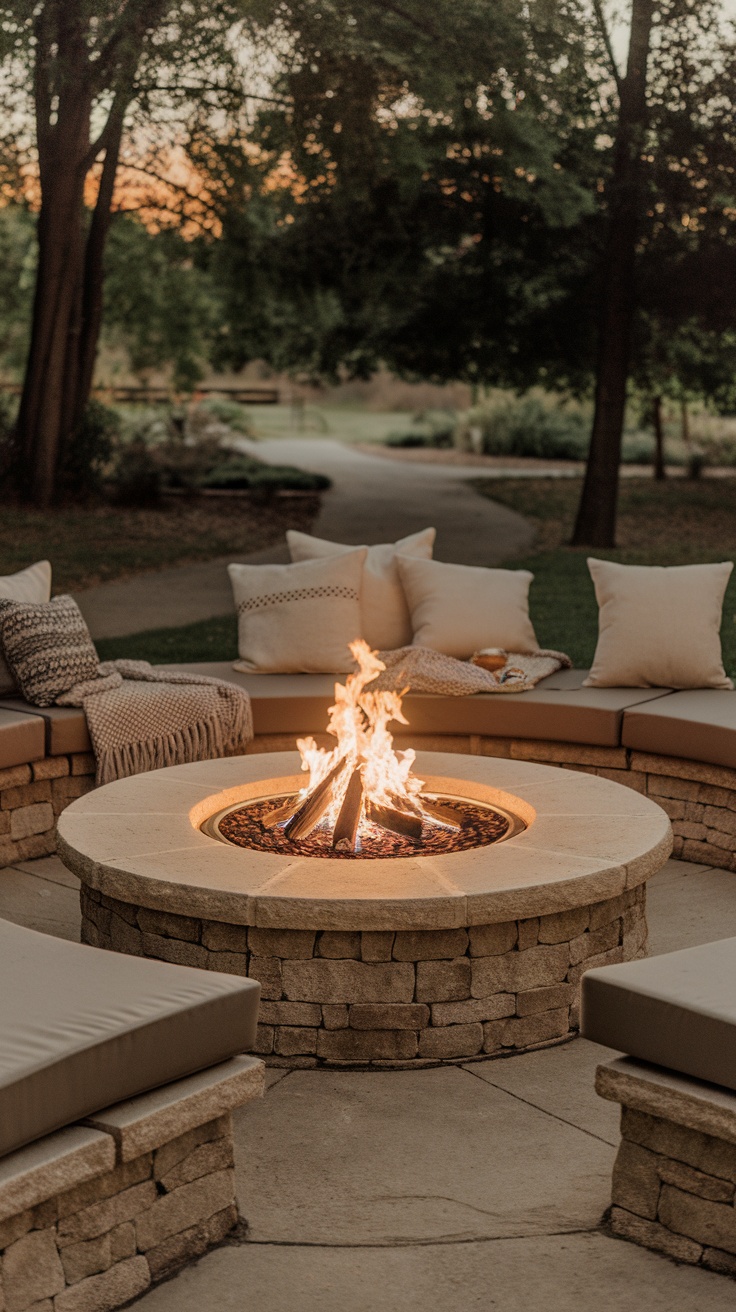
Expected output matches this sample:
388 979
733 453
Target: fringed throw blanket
144 719
424 670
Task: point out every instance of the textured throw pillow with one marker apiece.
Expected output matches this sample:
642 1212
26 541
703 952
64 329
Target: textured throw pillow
385 614
47 646
298 618
32 584
459 609
659 626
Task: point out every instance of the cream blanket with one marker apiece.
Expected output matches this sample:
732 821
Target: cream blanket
423 670
143 719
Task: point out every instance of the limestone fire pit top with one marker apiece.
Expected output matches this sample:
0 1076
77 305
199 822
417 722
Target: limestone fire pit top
587 839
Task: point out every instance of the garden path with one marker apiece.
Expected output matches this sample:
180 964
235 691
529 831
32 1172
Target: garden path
371 500
464 1187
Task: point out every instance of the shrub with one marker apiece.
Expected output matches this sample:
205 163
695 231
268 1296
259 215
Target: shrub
526 427
430 428
137 476
246 473
87 457
224 411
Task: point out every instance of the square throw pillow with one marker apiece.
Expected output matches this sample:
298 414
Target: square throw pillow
659 626
385 614
459 609
32 584
298 618
47 646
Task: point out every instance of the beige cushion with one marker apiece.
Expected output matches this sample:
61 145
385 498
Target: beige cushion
298 617
458 609
31 584
699 725
677 1010
81 1028
21 738
658 626
558 710
385 615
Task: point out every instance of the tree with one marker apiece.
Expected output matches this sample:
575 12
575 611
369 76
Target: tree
596 519
413 192
98 70
669 259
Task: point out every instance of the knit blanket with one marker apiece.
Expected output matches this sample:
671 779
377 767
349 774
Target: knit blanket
143 719
423 670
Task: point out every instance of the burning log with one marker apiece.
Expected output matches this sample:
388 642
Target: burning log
442 814
308 815
346 826
399 822
278 816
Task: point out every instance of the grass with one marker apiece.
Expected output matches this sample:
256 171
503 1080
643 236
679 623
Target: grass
89 545
672 523
675 523
342 423
207 640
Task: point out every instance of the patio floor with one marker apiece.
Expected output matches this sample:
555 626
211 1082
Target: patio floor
477 1186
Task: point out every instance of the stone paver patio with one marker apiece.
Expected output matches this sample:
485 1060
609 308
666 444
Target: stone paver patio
474 1187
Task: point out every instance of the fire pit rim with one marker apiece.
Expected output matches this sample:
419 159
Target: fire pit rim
530 874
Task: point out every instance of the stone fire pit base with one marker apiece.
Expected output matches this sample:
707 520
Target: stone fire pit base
438 957
385 998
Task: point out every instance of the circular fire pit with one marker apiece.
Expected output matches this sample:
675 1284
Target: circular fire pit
423 955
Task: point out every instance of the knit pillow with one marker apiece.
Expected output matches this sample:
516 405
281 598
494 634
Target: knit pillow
47 646
31 584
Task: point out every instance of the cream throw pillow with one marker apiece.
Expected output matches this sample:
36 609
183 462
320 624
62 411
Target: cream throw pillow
659 626
31 584
459 609
386 618
298 618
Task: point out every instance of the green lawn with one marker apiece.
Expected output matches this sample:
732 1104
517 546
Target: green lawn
91 544
673 523
662 524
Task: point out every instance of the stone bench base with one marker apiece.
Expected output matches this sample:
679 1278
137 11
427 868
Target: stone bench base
31 799
674 1179
93 1215
394 998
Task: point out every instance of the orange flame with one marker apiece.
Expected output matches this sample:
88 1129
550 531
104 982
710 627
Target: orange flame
359 721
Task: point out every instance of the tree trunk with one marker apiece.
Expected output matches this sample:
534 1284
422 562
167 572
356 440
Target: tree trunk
67 307
684 423
658 426
596 519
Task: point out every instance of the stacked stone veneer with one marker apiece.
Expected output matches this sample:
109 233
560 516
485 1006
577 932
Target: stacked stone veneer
386 998
106 1240
31 798
674 1179
93 1215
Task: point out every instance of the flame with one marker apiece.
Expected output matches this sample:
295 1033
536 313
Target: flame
359 721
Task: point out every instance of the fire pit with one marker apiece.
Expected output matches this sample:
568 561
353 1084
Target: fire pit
396 910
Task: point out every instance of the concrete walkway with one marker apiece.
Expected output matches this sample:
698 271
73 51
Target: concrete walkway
471 1187
371 500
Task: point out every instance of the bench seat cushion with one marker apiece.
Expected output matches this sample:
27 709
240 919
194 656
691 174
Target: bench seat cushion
22 738
559 709
64 727
699 725
677 1010
81 1028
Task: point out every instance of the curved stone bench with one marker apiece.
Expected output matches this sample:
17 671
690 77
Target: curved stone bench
117 1079
674 1180
677 747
